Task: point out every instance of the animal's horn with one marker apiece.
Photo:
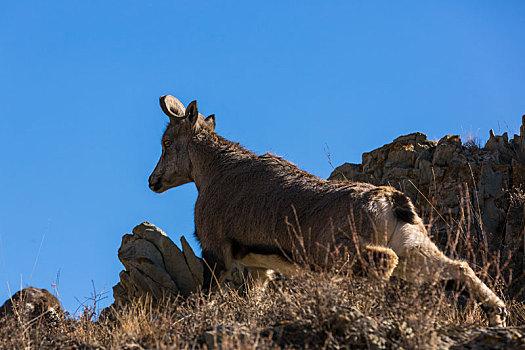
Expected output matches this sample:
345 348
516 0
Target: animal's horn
172 107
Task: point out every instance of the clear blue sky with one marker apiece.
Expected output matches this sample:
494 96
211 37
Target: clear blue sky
80 125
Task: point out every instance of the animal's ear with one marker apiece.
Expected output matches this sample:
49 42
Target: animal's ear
192 112
172 107
210 122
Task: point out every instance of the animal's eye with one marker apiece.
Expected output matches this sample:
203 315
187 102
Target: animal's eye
167 143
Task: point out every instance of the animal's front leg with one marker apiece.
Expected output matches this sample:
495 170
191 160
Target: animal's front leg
218 265
269 262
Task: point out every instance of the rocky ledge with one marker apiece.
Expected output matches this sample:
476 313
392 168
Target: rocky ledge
458 185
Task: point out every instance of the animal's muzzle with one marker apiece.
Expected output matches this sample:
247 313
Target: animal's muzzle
155 184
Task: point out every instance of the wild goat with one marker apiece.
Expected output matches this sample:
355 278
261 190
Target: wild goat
245 200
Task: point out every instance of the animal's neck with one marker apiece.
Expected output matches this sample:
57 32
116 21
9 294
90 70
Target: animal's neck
212 155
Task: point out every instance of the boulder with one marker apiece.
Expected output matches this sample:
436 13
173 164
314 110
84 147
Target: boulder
155 266
32 305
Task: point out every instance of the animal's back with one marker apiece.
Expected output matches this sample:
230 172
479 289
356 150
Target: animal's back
263 199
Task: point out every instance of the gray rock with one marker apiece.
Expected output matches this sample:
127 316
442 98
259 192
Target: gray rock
349 172
141 256
447 149
195 264
174 260
155 266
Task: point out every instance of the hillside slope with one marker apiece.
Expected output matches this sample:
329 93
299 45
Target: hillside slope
471 198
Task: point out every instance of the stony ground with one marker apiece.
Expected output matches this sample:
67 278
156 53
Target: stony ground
319 310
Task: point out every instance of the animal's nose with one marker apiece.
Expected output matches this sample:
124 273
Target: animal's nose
155 186
154 183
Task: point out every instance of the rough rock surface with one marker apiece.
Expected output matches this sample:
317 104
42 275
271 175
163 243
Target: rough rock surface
155 266
32 304
456 185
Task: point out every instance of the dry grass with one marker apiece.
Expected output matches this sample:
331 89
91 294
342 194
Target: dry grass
337 309
352 307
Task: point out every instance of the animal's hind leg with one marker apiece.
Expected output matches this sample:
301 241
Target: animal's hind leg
261 267
420 260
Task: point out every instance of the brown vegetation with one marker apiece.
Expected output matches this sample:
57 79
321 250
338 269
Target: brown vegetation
352 307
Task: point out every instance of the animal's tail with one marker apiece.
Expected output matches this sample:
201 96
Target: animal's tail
403 208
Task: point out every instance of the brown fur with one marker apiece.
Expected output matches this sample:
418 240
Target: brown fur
262 208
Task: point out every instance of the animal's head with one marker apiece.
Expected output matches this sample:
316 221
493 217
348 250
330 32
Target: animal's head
174 166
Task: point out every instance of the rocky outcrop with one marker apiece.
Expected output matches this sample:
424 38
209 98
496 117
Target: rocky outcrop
456 185
156 266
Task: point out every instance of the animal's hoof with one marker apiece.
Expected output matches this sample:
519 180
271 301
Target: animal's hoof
498 317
